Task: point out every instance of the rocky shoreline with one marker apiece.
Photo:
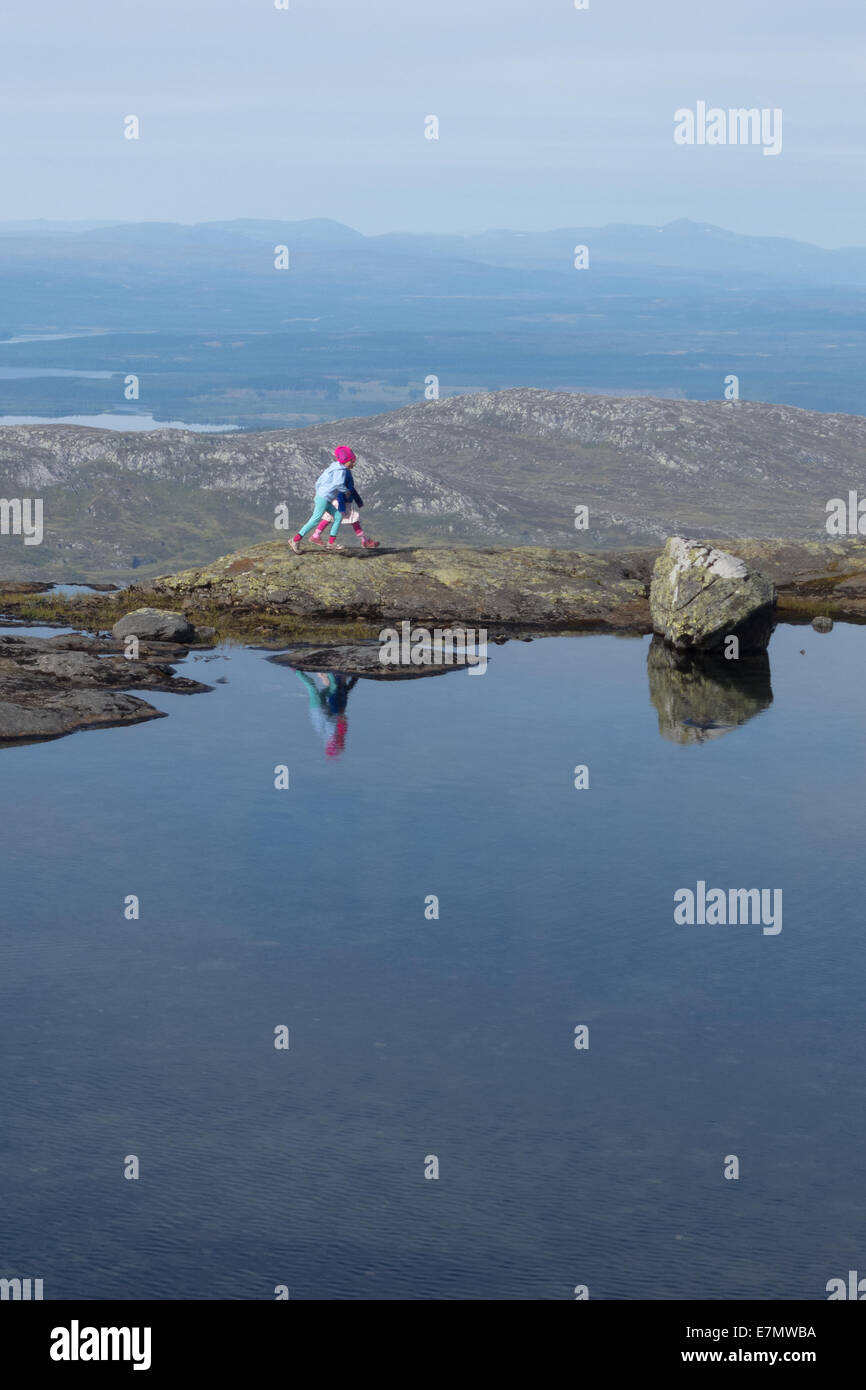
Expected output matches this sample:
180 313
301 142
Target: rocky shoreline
321 608
51 686
527 587
266 589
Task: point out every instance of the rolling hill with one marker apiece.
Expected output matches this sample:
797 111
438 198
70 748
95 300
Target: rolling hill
506 467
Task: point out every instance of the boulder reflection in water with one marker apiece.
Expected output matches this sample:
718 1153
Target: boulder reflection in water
703 697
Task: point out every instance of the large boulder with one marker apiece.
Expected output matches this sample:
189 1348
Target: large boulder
700 596
154 625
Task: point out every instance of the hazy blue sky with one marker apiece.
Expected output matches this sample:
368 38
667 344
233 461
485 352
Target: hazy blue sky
549 116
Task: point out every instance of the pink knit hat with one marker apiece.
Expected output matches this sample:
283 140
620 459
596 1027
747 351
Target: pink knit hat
343 454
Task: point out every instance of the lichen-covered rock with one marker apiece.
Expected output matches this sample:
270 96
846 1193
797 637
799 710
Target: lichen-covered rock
821 623
154 625
485 586
525 587
701 595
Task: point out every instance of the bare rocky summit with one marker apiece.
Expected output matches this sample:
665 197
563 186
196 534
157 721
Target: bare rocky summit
524 586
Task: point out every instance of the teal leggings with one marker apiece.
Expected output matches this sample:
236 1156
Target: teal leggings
323 504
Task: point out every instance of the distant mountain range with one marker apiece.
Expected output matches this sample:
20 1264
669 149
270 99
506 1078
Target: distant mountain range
682 246
216 334
507 467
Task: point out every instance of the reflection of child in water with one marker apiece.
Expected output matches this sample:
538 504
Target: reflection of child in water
327 708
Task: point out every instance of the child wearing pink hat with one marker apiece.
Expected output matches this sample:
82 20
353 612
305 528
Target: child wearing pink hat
335 497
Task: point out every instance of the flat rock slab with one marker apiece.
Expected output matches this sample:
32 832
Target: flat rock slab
49 687
53 715
529 587
80 642
360 659
526 585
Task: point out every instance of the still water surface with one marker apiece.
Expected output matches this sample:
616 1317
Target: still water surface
451 1037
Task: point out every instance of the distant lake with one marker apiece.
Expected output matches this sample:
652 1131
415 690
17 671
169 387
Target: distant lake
52 337
28 373
450 1036
68 590
115 422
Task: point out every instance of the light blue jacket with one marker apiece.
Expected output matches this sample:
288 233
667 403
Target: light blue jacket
332 481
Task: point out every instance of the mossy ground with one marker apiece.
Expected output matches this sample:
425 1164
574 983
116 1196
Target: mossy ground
97 613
